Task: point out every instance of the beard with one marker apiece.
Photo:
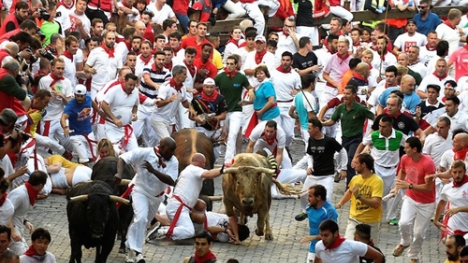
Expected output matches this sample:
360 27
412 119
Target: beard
452 257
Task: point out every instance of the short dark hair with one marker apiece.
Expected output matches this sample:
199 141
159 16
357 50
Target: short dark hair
398 93
363 231
131 76
272 43
454 99
41 233
7 230
442 48
4 185
387 119
352 88
308 79
414 143
433 86
204 234
459 240
329 225
303 41
28 24
21 5
392 69
175 34
42 94
159 52
464 251
319 190
38 177
190 51
250 34
366 159
231 57
271 124
316 123
232 260
332 37
354 62
168 23
287 54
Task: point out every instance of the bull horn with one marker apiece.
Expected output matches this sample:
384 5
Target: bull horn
124 182
215 198
231 170
79 198
117 199
265 170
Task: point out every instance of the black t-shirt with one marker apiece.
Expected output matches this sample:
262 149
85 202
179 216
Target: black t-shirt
403 123
300 62
323 151
428 109
367 260
304 13
217 107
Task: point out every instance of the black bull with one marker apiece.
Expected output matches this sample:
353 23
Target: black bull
92 219
190 141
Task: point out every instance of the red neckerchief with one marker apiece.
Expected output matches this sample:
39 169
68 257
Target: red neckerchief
357 44
136 51
359 77
2 200
176 50
342 57
394 116
156 70
32 193
61 3
230 74
210 98
160 158
450 25
208 257
269 141
460 155
282 70
259 56
440 78
145 60
31 252
191 68
382 56
109 51
328 49
338 241
176 86
466 45
370 66
168 66
128 45
430 48
231 40
55 79
68 55
286 34
465 180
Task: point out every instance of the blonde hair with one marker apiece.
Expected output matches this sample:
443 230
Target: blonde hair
104 142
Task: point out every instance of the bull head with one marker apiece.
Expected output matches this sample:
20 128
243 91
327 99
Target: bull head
114 198
247 182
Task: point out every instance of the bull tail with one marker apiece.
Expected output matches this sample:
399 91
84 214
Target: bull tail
287 189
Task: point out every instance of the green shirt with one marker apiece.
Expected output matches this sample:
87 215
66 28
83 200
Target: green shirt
352 121
415 75
231 89
49 28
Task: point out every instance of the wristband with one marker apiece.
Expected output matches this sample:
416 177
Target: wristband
222 169
410 186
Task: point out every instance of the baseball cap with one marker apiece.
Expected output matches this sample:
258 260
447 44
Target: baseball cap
8 116
410 21
80 89
209 81
260 38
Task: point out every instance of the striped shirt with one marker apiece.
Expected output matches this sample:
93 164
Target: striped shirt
157 76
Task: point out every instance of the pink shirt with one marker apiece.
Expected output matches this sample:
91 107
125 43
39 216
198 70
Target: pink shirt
415 173
460 58
336 67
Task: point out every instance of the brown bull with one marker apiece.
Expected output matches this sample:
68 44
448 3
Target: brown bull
190 141
247 189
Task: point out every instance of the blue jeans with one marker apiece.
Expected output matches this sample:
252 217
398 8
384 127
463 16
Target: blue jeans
183 20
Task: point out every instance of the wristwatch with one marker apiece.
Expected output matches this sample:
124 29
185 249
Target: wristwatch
410 186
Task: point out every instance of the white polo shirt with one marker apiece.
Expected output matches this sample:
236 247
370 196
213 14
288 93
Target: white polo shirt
286 43
348 252
435 146
121 103
56 105
285 83
385 158
106 67
141 65
168 112
458 121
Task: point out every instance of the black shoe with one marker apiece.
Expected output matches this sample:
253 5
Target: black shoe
301 216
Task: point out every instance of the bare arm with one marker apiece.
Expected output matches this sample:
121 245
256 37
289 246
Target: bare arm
54 168
106 108
250 147
213 173
149 82
372 253
346 197
279 156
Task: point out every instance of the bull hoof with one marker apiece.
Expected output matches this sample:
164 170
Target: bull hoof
259 232
268 237
122 251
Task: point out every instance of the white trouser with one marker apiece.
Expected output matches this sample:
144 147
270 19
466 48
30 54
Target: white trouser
310 257
54 130
439 186
305 136
351 228
388 176
288 176
254 12
286 122
183 120
324 98
144 209
82 173
100 131
326 180
235 9
117 136
84 147
341 12
142 126
214 136
162 129
47 142
417 216
262 145
272 5
393 204
247 112
309 31
184 228
234 123
458 3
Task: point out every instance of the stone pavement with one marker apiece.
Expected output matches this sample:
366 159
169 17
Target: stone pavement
286 246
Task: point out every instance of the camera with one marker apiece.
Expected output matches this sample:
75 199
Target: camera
43 14
47 54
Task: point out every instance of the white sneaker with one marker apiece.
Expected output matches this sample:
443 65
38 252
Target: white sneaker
130 257
140 259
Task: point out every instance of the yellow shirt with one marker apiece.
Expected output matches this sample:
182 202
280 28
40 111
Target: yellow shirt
449 261
34 117
59 159
370 187
218 60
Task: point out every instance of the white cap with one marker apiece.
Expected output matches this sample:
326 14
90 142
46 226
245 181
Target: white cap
209 81
260 38
80 89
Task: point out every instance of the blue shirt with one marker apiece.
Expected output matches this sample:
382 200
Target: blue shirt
316 217
410 101
79 116
425 26
262 94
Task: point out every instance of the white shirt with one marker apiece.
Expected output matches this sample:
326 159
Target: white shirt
431 79
389 60
20 199
161 15
131 17
146 182
385 158
168 112
323 57
257 136
286 43
84 20
404 41
189 80
64 19
189 184
285 83
419 68
268 59
6 212
457 197
447 159
140 65
106 67
70 66
452 36
458 121
56 105
435 146
348 252
463 96
309 103
50 258
426 55
230 49
243 53
121 103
